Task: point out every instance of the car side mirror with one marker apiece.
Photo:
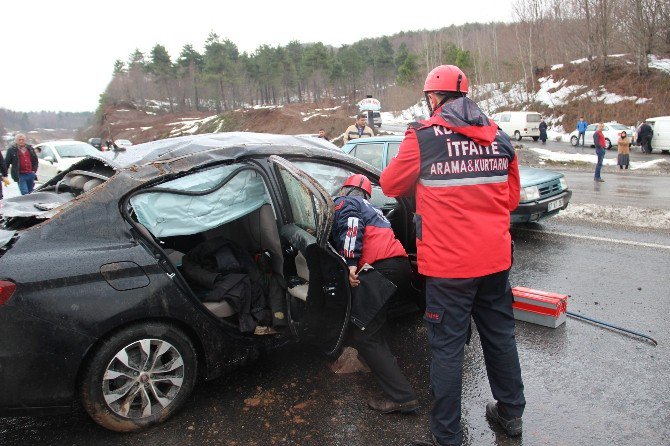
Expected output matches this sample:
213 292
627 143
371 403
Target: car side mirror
49 158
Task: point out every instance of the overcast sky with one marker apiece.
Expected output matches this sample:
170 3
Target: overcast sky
59 55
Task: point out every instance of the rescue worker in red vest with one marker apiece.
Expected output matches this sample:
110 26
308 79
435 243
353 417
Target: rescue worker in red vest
362 235
464 174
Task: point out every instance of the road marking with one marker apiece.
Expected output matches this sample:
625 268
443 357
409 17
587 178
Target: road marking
597 239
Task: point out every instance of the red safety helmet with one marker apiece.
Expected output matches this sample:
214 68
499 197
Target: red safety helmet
360 181
446 78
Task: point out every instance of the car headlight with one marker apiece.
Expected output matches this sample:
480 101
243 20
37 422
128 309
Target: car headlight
564 184
529 193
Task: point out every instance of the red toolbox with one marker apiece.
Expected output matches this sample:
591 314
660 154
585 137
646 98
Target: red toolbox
539 307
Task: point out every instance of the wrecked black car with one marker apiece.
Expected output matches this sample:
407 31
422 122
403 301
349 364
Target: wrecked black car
106 292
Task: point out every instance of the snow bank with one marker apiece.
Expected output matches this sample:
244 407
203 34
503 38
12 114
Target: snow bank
609 215
558 66
562 157
659 64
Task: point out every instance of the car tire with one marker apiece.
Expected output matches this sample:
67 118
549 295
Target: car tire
156 384
574 140
608 144
535 138
517 135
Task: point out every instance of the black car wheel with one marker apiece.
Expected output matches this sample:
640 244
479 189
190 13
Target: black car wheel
517 135
608 144
535 138
574 140
139 377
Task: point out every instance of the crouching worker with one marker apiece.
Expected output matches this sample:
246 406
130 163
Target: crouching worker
362 235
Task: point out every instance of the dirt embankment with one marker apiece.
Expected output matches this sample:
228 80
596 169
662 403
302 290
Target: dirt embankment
140 126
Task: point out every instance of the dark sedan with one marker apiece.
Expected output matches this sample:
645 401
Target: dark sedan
98 303
543 192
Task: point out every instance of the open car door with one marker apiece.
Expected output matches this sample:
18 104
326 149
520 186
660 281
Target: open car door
319 295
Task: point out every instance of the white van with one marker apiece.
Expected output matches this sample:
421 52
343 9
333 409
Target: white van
661 139
518 125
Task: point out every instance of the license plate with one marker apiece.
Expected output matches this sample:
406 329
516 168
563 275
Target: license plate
555 205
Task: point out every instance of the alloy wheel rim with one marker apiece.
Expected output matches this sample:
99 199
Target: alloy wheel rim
143 378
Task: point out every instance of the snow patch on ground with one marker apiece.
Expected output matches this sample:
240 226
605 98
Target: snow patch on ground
189 126
563 157
578 61
558 66
416 112
628 215
659 64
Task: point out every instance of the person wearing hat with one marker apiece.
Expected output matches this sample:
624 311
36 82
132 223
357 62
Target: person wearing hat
362 235
463 171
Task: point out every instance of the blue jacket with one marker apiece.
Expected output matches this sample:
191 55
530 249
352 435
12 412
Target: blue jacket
581 126
362 234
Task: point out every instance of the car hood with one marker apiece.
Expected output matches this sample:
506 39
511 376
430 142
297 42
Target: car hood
530 176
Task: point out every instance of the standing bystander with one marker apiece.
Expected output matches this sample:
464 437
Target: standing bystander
644 136
359 129
599 142
23 161
623 157
581 128
464 174
3 174
543 131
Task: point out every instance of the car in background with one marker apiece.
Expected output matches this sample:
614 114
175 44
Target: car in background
523 124
543 192
56 156
122 143
611 132
95 142
97 307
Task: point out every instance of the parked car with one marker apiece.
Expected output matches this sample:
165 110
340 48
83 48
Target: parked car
94 302
96 142
611 132
661 138
543 192
519 124
57 156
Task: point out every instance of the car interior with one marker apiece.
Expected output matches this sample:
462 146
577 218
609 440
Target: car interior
233 202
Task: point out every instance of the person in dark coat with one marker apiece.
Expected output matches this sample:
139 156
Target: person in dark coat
3 174
362 235
543 131
644 136
21 161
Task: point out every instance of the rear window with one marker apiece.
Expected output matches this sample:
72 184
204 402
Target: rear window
533 118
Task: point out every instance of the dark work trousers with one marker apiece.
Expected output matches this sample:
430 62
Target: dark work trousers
449 305
371 342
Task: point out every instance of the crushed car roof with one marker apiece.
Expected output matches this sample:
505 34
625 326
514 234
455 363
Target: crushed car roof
239 143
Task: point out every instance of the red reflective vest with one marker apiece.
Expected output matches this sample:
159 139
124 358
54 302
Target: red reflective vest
464 174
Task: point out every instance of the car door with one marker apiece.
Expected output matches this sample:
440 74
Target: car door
320 316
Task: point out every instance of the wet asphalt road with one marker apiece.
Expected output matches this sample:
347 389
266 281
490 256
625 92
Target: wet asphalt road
585 385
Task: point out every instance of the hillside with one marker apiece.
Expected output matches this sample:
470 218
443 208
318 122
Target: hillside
562 92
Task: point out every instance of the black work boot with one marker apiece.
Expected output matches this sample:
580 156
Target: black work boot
432 442
512 426
385 405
